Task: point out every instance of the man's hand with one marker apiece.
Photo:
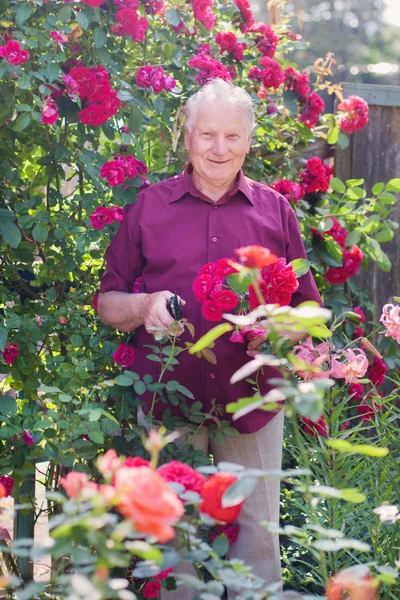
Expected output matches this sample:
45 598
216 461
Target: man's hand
156 316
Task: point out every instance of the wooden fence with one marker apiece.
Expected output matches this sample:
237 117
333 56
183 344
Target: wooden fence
374 155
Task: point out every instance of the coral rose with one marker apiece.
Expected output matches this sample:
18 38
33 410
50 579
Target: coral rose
255 256
144 497
212 493
74 483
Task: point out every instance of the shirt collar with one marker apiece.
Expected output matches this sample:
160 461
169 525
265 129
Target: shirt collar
184 184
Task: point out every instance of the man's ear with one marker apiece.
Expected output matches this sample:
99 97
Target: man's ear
187 135
249 144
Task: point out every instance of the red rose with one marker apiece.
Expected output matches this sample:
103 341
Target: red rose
202 287
164 574
99 91
8 483
354 114
357 391
365 412
93 115
183 474
255 73
273 75
352 260
125 355
315 427
93 3
230 531
143 76
226 41
377 370
289 189
238 51
298 82
316 176
95 301
110 104
26 437
84 79
169 83
10 353
118 213
281 297
101 216
254 302
157 80
151 589
212 492
313 106
222 267
13 53
211 311
114 172
226 299
127 18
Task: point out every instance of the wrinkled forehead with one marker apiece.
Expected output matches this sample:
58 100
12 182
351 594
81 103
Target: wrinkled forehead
219 115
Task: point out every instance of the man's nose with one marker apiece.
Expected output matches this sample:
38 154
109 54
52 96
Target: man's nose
219 145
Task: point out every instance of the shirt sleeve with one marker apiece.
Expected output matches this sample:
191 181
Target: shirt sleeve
124 260
307 289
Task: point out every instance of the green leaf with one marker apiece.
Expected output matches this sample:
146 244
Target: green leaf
64 14
21 122
337 185
40 233
23 13
3 337
135 119
355 193
354 182
374 250
183 390
23 108
172 16
301 266
334 249
393 185
51 72
333 135
10 233
144 550
210 337
96 436
345 447
221 545
384 235
8 406
139 387
99 37
343 140
378 188
387 198
290 100
82 19
353 238
124 380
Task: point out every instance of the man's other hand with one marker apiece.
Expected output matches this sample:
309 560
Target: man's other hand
156 316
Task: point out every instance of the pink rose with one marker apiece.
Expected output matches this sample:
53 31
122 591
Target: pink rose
143 76
114 172
26 437
49 111
151 589
118 213
8 483
125 355
74 483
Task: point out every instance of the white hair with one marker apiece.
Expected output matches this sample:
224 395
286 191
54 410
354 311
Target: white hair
219 90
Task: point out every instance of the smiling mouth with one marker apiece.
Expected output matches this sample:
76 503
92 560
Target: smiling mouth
218 162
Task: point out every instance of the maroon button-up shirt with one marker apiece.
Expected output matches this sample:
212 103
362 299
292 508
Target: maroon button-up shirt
169 234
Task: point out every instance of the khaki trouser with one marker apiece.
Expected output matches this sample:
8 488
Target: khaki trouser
256 546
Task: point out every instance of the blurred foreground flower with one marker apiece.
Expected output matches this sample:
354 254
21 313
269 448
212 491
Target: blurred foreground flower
354 583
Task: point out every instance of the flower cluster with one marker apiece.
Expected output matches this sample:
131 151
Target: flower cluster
94 89
203 13
352 260
103 215
247 18
129 23
10 353
312 107
297 82
247 334
265 38
13 53
292 191
228 43
122 168
152 588
272 74
353 114
125 355
277 285
391 321
208 289
316 176
209 68
148 77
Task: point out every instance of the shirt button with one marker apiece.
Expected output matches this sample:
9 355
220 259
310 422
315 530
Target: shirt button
212 376
215 239
215 206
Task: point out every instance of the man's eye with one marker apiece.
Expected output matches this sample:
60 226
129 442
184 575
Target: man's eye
207 133
233 136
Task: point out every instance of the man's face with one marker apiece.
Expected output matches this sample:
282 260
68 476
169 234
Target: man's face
218 142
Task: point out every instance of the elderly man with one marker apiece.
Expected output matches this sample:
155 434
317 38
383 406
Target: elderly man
174 228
